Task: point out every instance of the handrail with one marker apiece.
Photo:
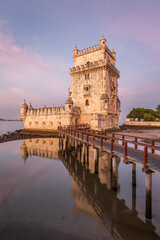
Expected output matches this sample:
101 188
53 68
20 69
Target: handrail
112 135
113 141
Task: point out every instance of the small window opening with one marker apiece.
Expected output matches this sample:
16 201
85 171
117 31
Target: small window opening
87 102
86 76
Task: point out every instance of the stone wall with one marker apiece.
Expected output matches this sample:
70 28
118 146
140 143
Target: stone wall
142 124
93 95
44 122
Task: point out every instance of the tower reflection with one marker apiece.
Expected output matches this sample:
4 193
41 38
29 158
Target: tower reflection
95 185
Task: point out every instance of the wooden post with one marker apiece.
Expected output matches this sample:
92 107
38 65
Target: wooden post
87 137
93 143
148 181
125 149
101 142
133 186
112 141
122 139
135 142
145 155
82 137
113 137
153 146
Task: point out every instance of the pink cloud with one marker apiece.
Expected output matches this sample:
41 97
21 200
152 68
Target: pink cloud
26 74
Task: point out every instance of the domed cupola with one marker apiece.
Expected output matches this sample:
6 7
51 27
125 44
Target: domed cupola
30 106
24 105
103 41
69 105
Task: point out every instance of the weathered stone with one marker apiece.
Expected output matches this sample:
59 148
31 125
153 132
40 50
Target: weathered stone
93 95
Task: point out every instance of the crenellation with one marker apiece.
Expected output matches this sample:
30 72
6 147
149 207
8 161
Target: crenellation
93 96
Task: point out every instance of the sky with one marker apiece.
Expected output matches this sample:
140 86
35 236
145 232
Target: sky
37 38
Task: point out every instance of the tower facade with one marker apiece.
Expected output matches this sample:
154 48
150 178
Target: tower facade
93 95
95 86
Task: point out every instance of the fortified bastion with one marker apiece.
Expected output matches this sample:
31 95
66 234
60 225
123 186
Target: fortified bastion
93 95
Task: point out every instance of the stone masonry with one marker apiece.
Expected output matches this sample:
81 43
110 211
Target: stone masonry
93 95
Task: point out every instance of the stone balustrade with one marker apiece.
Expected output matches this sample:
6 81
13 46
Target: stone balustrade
46 111
95 64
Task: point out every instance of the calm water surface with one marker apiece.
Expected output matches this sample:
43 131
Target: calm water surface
10 126
47 193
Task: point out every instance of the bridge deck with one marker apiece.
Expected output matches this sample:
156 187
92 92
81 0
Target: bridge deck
131 148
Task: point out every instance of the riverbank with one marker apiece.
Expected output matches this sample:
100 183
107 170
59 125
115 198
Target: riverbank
20 135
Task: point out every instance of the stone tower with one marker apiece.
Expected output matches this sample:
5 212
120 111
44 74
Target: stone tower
95 86
24 108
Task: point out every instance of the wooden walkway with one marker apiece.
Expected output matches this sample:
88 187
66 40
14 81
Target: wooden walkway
124 222
132 148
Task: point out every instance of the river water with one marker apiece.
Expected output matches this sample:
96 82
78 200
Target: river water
50 193
10 126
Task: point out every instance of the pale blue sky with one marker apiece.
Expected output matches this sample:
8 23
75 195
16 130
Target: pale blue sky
36 49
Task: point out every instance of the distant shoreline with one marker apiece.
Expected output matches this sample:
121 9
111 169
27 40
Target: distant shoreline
10 120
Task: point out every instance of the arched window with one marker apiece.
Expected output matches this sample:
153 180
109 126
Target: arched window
43 123
87 102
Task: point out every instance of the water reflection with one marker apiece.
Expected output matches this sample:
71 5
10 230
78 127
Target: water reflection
95 186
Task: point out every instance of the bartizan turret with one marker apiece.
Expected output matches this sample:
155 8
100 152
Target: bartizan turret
103 41
69 105
24 108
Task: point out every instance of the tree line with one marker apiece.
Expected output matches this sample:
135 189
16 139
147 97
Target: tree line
145 114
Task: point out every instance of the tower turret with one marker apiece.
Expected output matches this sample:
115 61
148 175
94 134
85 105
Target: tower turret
114 54
75 51
24 108
103 41
30 106
69 105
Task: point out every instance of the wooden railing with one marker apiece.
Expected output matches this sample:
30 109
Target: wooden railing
124 141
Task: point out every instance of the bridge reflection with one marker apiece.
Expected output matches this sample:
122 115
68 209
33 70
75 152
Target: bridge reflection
95 185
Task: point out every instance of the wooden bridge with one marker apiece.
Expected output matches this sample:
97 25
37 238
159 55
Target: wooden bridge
120 221
132 148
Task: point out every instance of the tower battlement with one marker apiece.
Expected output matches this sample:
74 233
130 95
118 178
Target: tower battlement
45 111
94 53
93 65
93 95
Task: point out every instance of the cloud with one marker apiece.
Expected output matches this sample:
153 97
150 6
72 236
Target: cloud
24 73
